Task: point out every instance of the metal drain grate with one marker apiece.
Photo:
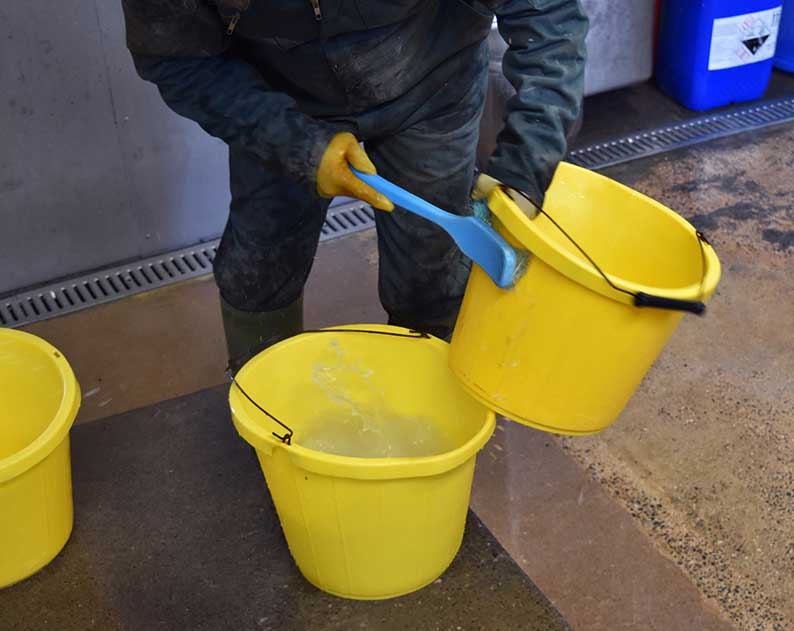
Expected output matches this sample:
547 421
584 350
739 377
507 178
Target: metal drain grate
106 285
684 134
347 218
126 280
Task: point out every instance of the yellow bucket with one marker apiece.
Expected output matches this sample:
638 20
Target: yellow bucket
564 349
39 398
363 528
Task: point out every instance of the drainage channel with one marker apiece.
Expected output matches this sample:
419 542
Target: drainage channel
348 217
88 290
684 134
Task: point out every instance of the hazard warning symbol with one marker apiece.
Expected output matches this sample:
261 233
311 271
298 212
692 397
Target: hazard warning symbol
744 39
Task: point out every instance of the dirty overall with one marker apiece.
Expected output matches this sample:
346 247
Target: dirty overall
276 80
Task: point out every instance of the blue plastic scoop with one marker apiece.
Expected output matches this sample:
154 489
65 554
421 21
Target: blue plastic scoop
476 239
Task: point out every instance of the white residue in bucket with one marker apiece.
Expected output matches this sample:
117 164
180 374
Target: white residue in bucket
522 265
385 437
361 423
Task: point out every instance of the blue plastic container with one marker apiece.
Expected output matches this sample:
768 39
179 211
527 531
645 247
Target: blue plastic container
716 52
784 58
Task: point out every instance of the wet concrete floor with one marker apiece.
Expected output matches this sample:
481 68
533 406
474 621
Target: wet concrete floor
703 456
682 511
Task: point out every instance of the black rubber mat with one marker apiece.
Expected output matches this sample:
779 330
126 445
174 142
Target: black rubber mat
174 529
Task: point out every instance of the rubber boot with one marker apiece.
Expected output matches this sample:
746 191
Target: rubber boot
247 332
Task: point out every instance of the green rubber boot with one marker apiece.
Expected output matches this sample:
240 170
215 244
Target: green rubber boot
247 333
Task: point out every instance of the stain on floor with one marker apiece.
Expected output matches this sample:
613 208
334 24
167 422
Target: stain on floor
703 456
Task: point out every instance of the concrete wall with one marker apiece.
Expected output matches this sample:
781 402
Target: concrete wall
619 44
93 167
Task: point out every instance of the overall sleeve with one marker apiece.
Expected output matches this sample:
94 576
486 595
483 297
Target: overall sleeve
184 53
544 62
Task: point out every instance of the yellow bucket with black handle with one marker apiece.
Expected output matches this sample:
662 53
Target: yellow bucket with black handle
609 276
39 399
362 527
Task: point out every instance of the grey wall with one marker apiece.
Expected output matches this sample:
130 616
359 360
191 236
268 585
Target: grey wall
93 167
619 43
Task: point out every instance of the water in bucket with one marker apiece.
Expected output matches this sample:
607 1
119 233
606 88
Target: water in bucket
360 422
371 437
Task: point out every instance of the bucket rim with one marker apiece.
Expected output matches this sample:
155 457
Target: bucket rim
259 435
523 230
57 429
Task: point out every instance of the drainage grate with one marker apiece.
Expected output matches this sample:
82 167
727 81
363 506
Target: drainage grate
684 134
347 218
126 280
106 285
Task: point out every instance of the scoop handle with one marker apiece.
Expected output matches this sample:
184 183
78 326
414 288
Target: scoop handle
407 200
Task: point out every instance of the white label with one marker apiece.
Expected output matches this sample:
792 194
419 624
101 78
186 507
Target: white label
744 39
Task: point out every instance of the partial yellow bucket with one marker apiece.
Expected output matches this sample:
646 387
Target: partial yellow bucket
564 349
39 398
363 528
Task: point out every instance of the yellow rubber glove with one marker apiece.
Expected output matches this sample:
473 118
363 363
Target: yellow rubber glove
485 184
334 176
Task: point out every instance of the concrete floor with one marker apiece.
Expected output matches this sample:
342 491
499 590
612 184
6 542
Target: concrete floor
176 531
178 349
679 516
703 456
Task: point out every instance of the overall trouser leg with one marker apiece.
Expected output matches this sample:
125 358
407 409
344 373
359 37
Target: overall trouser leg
423 274
265 256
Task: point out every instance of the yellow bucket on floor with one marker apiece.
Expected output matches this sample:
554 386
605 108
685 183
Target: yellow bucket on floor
363 528
39 398
564 349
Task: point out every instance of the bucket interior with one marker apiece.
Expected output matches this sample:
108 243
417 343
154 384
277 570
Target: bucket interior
363 395
31 391
627 234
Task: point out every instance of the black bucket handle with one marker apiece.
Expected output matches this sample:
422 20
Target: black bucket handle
641 299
